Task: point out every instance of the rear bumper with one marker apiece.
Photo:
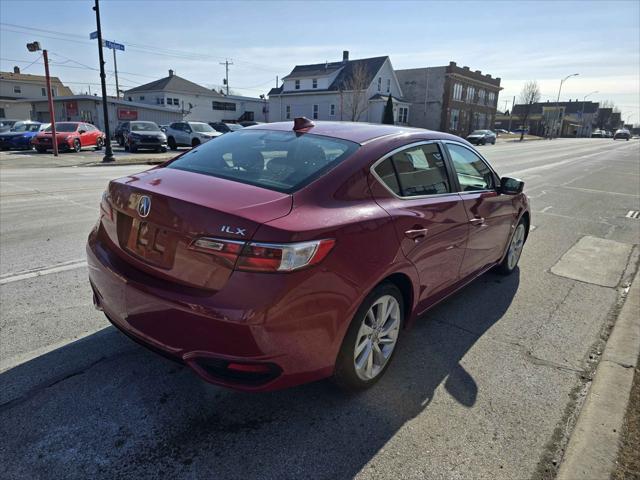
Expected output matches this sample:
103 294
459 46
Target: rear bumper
256 319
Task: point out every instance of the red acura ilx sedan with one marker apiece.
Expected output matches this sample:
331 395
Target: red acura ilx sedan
289 252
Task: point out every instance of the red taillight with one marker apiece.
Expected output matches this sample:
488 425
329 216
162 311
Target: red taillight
266 257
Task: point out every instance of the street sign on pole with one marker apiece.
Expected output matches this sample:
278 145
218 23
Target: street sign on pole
93 35
113 45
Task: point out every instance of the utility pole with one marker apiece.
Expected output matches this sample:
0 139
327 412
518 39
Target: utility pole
34 47
108 154
582 111
226 64
556 117
115 70
513 104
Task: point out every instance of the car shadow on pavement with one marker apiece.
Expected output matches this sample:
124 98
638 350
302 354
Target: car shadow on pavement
103 407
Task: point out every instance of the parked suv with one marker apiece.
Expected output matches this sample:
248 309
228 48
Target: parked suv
189 134
225 127
138 134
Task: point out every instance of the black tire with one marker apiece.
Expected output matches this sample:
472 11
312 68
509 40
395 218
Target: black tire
504 268
163 150
344 375
133 149
172 143
195 142
41 150
99 144
77 146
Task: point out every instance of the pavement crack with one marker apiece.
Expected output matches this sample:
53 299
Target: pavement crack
47 384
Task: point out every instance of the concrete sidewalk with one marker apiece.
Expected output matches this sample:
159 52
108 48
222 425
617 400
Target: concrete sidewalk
593 447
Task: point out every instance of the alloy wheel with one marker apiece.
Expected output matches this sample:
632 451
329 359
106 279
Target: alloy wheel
515 248
377 337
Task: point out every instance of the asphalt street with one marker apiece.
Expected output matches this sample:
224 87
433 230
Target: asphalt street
486 386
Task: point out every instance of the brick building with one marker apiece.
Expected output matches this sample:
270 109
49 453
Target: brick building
450 98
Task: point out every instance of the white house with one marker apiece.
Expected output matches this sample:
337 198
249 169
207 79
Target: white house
350 90
15 86
196 102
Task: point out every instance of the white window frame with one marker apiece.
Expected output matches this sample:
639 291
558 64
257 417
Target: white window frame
471 94
457 91
403 115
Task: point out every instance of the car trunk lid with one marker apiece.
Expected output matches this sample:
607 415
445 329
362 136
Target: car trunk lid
161 212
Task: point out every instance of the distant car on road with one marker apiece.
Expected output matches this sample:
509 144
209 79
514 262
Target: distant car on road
70 136
249 258
482 137
502 130
189 134
141 134
622 133
598 134
6 124
225 127
19 135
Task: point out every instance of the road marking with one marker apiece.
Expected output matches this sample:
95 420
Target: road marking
38 272
633 214
546 209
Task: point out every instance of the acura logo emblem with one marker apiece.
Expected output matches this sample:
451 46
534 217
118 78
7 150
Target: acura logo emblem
144 206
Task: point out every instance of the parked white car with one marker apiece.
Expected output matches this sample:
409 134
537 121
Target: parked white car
189 134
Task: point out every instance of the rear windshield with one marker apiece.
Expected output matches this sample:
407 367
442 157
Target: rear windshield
281 161
201 127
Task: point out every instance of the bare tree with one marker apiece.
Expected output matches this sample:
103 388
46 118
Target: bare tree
355 92
529 95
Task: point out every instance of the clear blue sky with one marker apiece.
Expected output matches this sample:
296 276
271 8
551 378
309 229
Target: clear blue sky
516 41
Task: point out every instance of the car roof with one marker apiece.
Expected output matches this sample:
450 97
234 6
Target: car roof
358 132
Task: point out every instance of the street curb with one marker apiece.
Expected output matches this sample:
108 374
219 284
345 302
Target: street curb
593 447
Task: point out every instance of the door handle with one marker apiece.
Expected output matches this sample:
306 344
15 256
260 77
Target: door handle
416 233
478 221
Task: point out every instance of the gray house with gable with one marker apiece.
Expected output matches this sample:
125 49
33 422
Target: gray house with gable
350 90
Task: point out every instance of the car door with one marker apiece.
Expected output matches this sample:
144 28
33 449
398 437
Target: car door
414 186
491 216
182 136
84 134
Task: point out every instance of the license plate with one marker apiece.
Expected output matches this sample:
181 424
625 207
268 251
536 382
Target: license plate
153 243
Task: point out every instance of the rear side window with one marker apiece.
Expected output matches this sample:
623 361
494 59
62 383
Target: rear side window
473 173
416 171
281 161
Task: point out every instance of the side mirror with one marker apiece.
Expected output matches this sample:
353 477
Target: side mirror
82 131
511 186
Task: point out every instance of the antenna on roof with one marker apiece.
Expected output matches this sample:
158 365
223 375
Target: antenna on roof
301 124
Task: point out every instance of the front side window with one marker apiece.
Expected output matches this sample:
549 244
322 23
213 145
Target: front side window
418 171
472 172
281 161
315 112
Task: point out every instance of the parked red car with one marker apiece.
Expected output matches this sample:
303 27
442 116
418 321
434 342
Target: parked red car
71 136
277 256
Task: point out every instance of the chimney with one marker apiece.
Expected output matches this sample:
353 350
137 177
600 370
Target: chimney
345 55
452 64
16 69
170 73
478 72
465 68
